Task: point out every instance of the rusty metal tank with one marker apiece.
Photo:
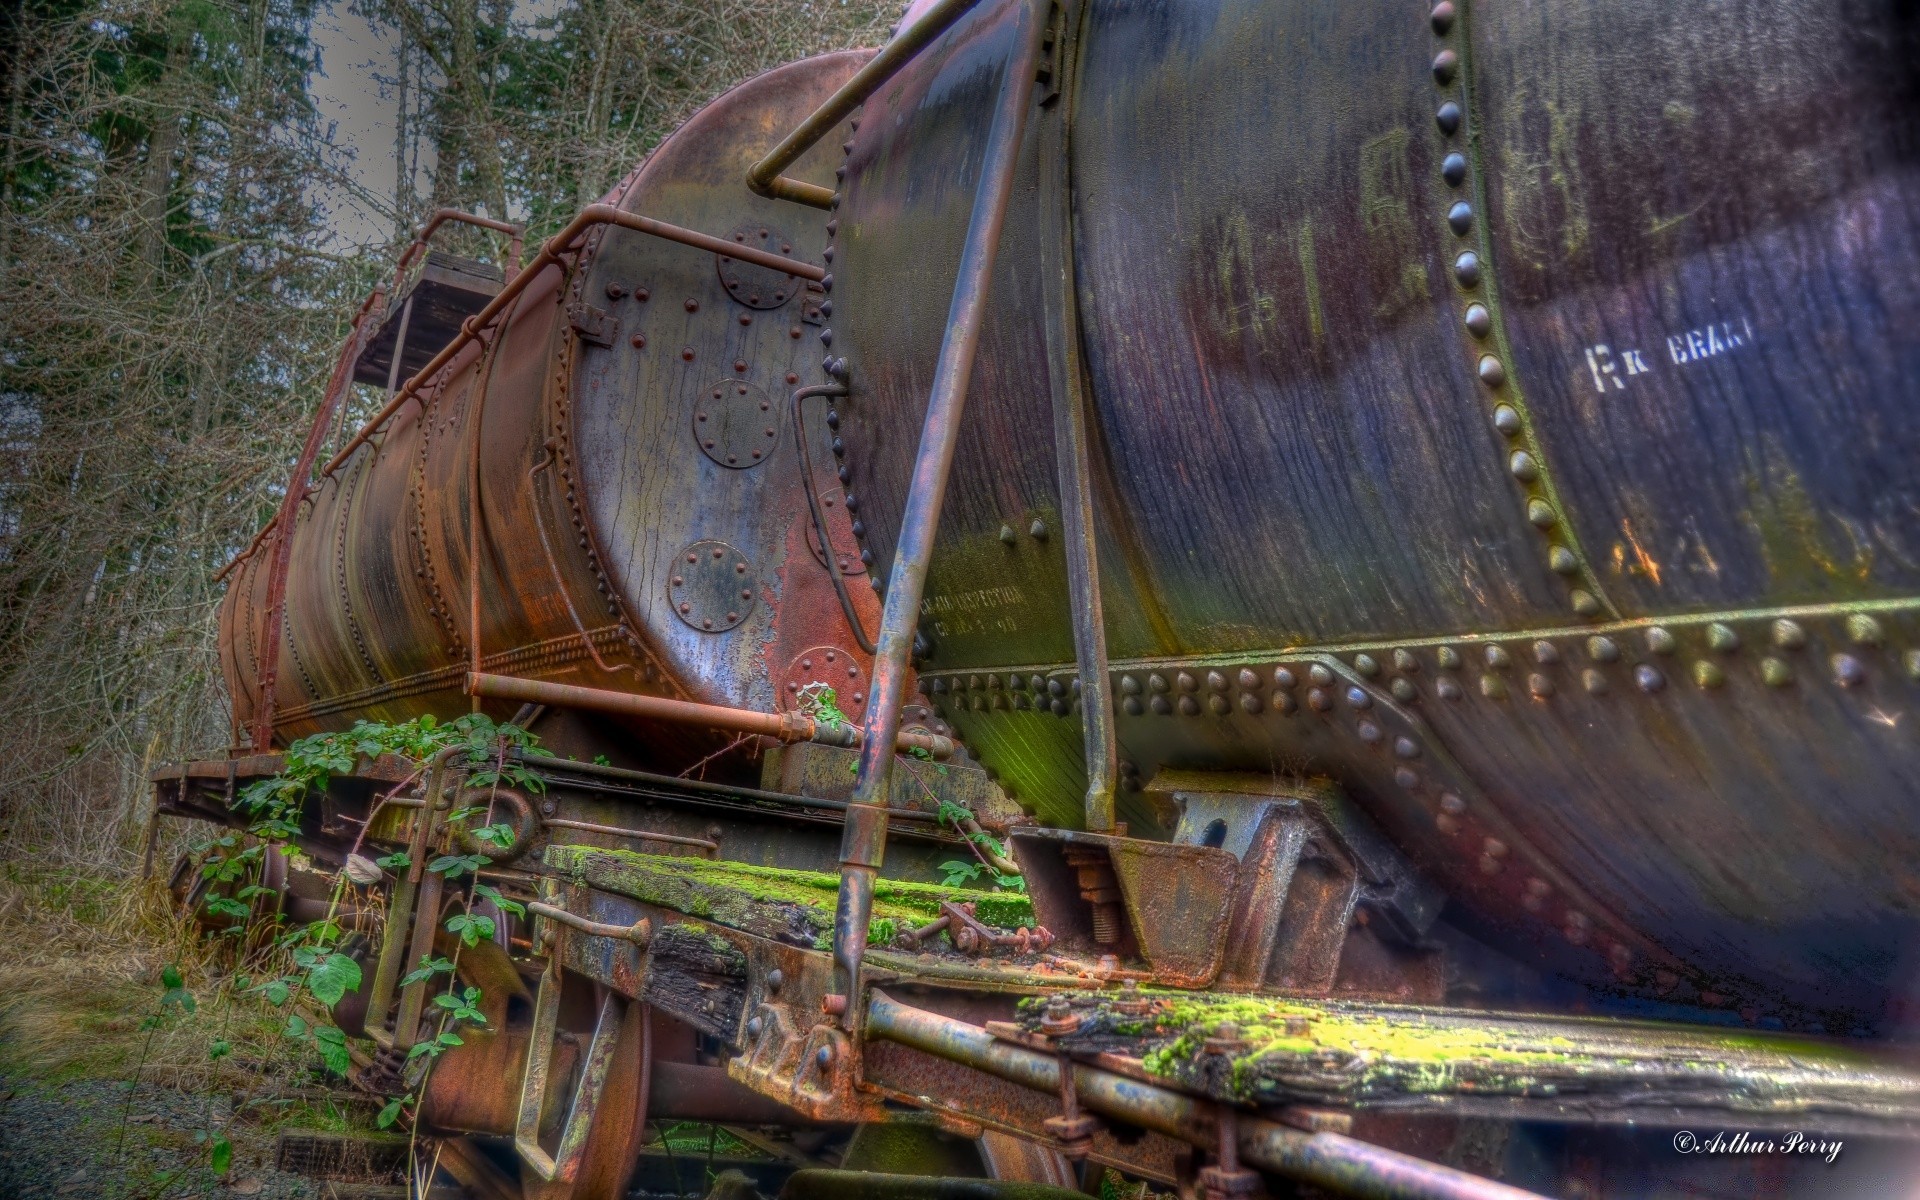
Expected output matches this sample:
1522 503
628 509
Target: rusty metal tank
1510 411
613 464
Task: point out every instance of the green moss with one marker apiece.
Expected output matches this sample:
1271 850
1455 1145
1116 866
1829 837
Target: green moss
794 906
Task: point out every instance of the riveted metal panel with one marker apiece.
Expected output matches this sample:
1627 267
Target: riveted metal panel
1706 240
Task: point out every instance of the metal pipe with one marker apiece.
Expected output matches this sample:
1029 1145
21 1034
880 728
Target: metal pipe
638 835
813 506
639 933
1343 1165
674 783
297 488
1071 445
555 246
784 727
864 840
815 1183
765 177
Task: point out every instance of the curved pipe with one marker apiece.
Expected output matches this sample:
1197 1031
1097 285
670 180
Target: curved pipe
813 506
764 177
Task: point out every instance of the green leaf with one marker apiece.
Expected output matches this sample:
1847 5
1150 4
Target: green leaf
332 1044
219 1050
170 977
501 902
399 860
428 968
221 1160
332 978
297 1026
453 866
390 1112
472 929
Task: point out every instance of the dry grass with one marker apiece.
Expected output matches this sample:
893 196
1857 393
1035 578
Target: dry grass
83 998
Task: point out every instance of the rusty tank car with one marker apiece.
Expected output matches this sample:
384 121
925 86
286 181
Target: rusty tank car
1404 517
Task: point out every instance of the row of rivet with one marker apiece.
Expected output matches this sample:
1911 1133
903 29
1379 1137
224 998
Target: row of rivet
1491 854
1848 668
1182 691
835 367
1523 460
1178 690
561 443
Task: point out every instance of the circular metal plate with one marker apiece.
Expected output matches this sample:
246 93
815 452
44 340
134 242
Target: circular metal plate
711 587
758 287
846 547
736 424
833 666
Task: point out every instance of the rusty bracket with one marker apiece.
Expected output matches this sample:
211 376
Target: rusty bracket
564 1163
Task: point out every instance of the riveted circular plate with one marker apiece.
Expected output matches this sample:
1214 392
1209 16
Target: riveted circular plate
846 547
834 667
711 587
736 424
758 287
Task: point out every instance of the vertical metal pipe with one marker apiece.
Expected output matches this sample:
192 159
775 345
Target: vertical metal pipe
1071 440
865 837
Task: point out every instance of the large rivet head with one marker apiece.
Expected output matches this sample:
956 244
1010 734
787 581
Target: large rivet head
1446 687
1406 748
1540 686
1521 464
1493 372
1319 675
1649 678
1358 698
1250 701
1788 635
1446 65
1545 653
1218 705
1447 117
1466 269
1848 670
1561 561
1189 706
1493 687
1249 679
1594 682
1318 700
1497 658
1721 637
1283 678
1448 657
1453 169
1216 682
1366 665
1912 663
1603 649
1404 660
1708 675
1775 671
1460 218
1157 682
1506 419
1404 691
1584 602
1660 641
1863 630
1186 682
1478 320
1442 17
1540 513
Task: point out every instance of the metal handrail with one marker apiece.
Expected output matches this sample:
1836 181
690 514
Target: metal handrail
765 177
550 254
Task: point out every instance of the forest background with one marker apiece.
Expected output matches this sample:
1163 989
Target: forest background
173 291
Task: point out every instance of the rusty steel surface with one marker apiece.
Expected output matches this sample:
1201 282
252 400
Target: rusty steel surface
567 522
1550 382
1420 504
